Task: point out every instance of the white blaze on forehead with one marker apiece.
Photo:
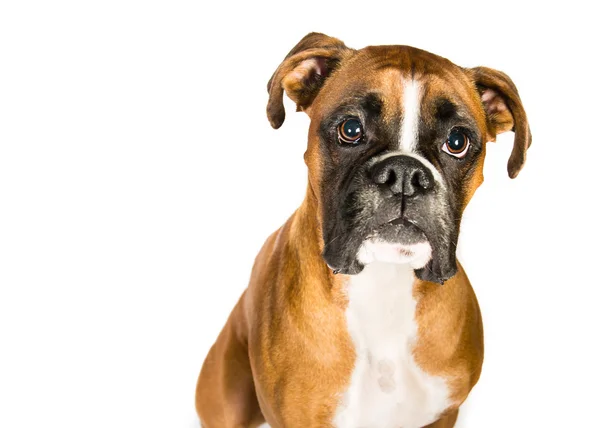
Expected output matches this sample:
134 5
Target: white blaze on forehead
411 105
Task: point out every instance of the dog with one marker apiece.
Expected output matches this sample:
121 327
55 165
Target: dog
357 313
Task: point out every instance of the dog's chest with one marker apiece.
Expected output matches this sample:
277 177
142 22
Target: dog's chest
387 388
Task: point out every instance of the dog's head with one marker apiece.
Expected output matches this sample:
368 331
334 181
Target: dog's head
396 147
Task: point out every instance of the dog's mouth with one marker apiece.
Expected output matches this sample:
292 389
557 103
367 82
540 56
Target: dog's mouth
400 230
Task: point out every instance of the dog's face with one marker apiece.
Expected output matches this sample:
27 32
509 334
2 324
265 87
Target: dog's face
396 147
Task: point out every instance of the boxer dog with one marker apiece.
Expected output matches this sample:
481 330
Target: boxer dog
358 314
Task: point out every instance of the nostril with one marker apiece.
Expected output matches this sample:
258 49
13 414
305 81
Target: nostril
392 178
424 180
417 180
421 180
381 175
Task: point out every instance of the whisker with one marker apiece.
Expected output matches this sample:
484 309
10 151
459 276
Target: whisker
331 241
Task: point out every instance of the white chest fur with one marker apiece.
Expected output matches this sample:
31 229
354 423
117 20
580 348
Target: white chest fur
387 388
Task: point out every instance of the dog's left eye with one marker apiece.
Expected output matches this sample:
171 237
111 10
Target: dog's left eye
457 144
350 131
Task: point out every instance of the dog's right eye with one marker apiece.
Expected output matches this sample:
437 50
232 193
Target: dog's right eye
350 131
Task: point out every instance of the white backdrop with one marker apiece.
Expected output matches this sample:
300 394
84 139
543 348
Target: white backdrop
139 176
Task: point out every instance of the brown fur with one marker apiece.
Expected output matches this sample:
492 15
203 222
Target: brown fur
285 353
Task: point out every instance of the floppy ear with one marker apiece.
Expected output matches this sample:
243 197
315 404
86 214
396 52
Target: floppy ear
504 111
302 73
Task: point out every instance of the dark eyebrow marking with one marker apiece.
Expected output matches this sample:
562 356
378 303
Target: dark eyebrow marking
369 103
372 103
445 109
448 114
366 105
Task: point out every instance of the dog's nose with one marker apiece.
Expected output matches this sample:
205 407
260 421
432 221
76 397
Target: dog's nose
403 175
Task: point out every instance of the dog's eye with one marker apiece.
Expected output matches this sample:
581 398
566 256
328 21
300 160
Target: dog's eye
457 144
350 131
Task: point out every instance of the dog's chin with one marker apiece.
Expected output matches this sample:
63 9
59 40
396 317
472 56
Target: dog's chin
398 241
416 255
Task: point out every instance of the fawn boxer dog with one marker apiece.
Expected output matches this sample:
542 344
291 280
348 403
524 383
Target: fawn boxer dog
358 314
